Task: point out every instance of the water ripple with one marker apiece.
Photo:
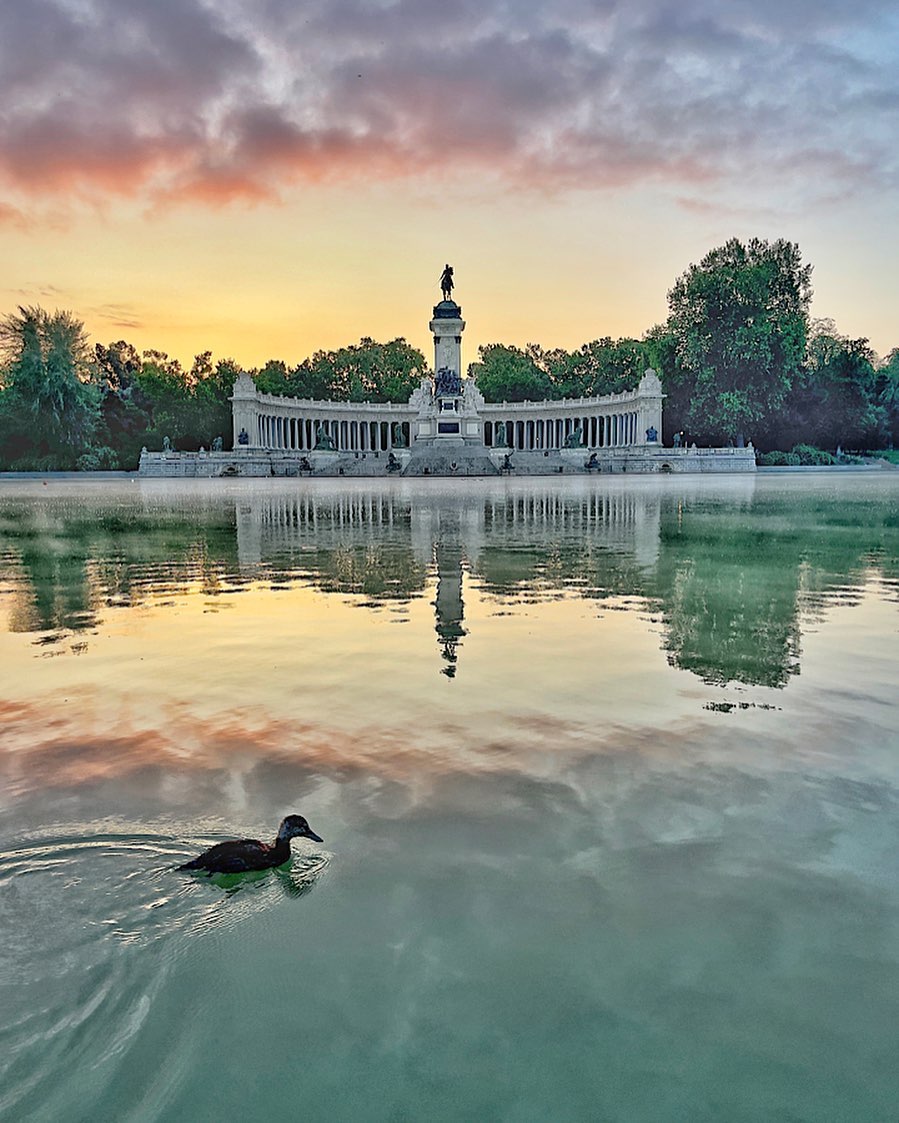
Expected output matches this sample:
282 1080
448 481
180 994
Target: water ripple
94 923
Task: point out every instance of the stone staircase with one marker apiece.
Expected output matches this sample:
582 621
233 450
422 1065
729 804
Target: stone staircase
461 460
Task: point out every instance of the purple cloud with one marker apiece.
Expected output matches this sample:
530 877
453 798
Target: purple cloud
171 99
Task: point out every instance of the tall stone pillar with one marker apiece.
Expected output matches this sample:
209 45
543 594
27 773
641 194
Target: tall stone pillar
447 327
244 410
651 396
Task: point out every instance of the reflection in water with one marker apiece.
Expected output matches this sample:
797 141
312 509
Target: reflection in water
725 569
580 880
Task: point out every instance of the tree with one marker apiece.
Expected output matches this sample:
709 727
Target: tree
604 366
888 393
162 386
367 372
274 378
117 365
833 400
508 374
739 320
212 397
51 397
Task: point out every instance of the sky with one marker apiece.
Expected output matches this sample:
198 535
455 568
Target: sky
265 179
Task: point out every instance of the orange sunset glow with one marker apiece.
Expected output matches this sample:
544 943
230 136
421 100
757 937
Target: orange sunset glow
264 181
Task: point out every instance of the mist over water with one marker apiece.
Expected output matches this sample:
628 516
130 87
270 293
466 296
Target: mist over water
606 770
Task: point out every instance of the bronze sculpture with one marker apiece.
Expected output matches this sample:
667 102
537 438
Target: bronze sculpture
446 282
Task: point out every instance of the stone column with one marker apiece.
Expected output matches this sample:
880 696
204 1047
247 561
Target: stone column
245 409
650 390
447 327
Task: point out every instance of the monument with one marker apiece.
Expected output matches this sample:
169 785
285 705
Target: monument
449 430
446 428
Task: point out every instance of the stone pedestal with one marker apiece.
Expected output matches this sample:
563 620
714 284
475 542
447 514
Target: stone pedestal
244 410
447 326
444 428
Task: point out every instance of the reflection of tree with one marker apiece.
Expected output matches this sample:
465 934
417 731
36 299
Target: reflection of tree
354 543
730 616
728 578
70 557
379 573
731 588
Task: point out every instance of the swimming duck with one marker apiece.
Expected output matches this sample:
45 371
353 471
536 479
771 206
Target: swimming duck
244 854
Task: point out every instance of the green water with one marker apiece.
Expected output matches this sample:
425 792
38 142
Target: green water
607 773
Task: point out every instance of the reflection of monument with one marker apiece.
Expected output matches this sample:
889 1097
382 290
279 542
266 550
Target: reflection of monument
449 608
500 536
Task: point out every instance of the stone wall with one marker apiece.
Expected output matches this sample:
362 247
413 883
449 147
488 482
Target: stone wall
570 461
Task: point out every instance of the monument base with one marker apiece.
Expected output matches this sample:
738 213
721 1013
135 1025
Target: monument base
440 458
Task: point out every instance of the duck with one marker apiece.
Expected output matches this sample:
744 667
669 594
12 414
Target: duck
242 854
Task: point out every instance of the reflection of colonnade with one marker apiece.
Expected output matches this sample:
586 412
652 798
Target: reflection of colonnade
391 546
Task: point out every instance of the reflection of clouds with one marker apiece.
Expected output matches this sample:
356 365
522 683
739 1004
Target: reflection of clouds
67 750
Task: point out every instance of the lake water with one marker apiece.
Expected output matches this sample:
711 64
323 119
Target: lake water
607 772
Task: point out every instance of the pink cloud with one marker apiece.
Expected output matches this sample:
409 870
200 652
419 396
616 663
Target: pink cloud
169 100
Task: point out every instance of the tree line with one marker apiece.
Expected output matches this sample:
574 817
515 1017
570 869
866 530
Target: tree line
738 355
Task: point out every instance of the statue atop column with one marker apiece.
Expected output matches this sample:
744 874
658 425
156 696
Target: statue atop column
446 282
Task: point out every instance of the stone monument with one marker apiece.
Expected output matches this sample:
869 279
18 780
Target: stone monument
447 326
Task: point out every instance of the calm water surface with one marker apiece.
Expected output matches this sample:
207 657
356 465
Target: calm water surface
607 772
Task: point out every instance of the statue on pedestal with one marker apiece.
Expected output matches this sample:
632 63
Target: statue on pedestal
323 441
446 282
575 438
398 437
243 437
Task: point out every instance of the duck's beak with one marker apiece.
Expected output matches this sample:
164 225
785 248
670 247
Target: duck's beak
310 833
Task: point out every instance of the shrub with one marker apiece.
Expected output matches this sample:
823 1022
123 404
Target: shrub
99 459
34 462
808 454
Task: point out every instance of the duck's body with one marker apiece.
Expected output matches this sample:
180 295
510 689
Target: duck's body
243 854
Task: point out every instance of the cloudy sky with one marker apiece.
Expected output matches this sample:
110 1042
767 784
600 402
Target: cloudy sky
267 177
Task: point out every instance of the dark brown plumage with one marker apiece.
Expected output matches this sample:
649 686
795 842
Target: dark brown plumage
243 854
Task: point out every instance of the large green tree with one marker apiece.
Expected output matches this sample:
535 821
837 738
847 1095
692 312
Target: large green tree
739 321
191 407
50 395
603 366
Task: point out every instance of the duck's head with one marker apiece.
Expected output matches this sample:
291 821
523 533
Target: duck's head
295 826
